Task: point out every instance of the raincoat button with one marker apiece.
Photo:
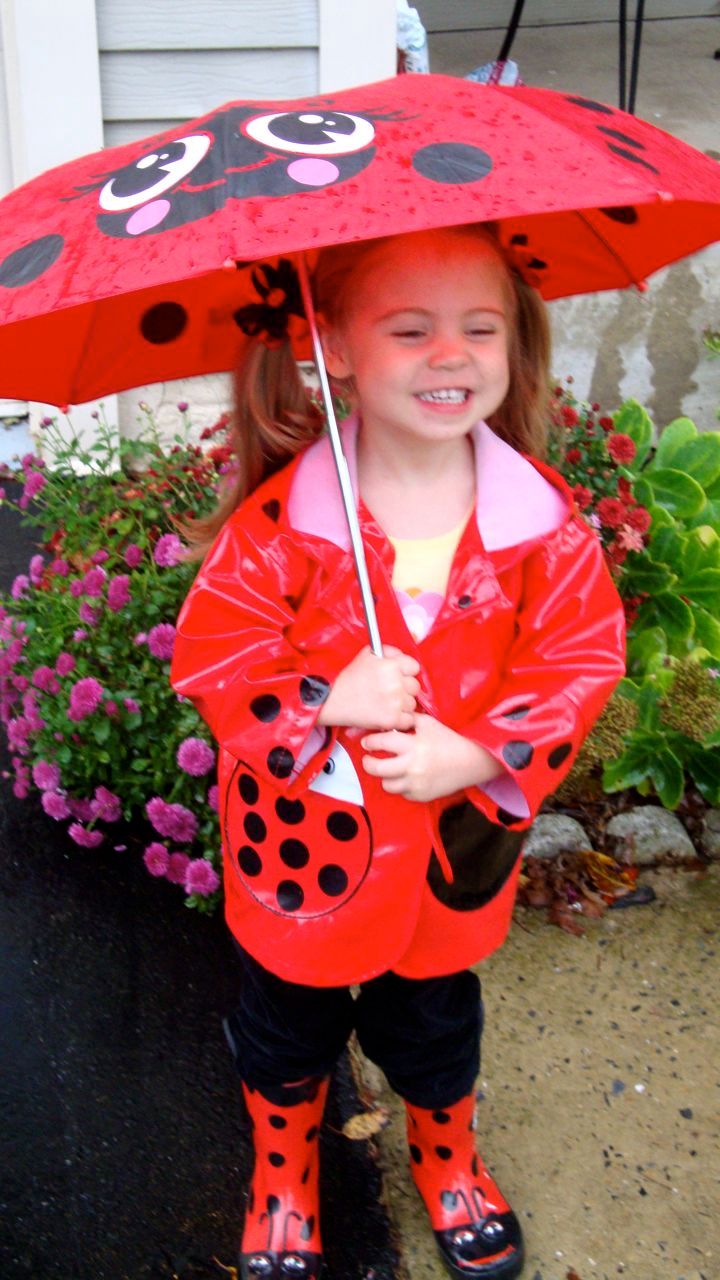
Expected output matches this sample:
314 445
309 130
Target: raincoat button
464 601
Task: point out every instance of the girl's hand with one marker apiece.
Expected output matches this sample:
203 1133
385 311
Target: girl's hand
433 761
374 693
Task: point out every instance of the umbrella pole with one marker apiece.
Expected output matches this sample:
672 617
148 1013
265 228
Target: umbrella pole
341 465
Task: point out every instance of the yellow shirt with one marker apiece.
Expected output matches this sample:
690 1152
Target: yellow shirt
420 575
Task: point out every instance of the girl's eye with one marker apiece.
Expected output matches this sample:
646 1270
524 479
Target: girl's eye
408 333
482 331
154 173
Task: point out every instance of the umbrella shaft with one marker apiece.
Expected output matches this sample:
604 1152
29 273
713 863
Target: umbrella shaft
341 466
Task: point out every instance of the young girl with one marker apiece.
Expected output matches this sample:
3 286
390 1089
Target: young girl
373 808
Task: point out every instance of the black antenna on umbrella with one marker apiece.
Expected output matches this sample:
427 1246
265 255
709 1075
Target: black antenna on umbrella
341 466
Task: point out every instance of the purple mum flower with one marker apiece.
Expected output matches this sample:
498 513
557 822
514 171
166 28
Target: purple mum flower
155 858
81 808
100 556
133 556
81 836
34 484
60 567
55 805
168 551
44 678
76 588
19 586
89 614
94 581
131 705
201 877
46 776
37 565
195 757
85 697
157 811
65 664
118 593
161 641
213 798
106 805
177 868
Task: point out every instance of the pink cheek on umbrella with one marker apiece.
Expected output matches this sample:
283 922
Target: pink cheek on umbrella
313 173
149 216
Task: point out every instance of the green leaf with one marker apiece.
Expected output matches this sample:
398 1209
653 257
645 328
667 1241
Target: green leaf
644 576
668 547
703 587
677 492
701 549
707 631
671 613
661 519
647 649
102 730
668 776
700 458
673 437
704 765
633 420
629 769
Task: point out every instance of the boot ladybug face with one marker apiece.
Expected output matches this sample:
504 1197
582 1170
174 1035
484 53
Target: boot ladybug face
298 859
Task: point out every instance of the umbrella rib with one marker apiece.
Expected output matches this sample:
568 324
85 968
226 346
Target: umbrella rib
609 248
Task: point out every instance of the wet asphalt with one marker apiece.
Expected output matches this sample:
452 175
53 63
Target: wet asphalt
123 1150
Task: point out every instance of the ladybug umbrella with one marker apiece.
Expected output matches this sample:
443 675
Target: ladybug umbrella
134 265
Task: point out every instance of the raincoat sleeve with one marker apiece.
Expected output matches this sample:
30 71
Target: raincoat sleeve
567 656
259 695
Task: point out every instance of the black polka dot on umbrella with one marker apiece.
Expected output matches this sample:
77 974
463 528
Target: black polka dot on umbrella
294 854
249 861
332 880
630 155
341 825
278 1122
445 1153
255 828
30 261
622 137
452 162
276 1159
266 707
280 762
290 811
517 713
290 896
517 754
313 690
415 1154
312 1133
559 754
248 788
307 1227
590 105
163 323
624 213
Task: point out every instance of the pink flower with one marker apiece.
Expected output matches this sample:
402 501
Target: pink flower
133 556
19 586
60 567
85 697
629 539
36 569
110 707
21 791
79 635
46 776
76 588
55 805
161 641
106 805
155 858
65 664
157 811
131 705
34 484
183 406
81 836
195 757
89 614
100 556
201 877
172 820
118 593
177 868
213 798
94 581
140 638
81 808
168 551
44 679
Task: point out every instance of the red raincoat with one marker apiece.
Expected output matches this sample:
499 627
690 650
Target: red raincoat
328 879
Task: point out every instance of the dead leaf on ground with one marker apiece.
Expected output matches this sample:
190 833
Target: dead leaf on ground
366 1124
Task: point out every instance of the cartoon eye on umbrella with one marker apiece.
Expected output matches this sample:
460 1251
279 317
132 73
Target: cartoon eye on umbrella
150 261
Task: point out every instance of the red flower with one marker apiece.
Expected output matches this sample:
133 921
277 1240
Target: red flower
625 491
607 424
611 512
582 496
572 456
570 416
617 553
621 448
639 518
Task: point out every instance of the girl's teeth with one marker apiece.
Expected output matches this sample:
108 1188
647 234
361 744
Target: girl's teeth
444 397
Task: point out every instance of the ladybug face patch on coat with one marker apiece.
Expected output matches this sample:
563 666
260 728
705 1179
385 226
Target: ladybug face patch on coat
304 856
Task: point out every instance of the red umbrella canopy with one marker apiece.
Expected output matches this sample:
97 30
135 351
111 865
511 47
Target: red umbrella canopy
121 268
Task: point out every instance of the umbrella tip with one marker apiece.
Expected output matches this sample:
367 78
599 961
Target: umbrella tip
229 264
641 286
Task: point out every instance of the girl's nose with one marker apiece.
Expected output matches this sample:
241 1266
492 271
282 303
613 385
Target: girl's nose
449 352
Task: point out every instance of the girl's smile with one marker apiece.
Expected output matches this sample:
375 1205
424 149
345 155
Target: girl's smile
424 336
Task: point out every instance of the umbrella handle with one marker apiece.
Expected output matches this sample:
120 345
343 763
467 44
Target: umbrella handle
341 466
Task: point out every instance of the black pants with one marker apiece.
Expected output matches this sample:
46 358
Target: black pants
424 1033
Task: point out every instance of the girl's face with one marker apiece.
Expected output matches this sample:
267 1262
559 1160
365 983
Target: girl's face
424 335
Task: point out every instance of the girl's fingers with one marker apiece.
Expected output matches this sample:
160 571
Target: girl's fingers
389 767
384 740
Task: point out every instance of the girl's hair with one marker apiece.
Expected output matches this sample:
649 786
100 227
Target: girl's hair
275 417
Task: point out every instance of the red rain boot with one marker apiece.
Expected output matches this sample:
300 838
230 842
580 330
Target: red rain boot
281 1237
476 1231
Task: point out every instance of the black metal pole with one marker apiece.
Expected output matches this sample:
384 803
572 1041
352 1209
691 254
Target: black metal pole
635 68
510 33
622 52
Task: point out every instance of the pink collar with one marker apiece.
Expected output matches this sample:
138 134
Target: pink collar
514 502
